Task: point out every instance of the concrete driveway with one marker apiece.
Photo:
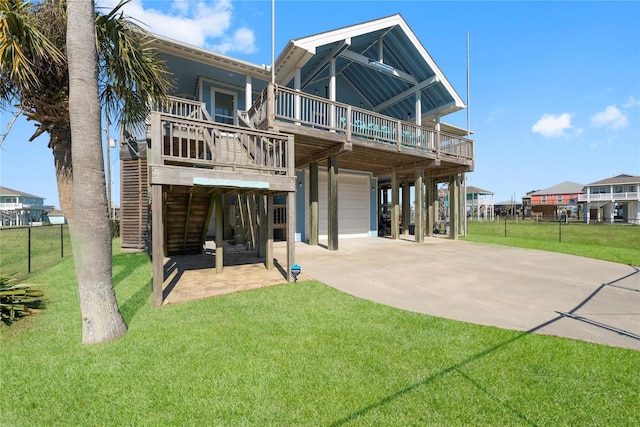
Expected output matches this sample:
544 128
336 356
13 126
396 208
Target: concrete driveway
512 288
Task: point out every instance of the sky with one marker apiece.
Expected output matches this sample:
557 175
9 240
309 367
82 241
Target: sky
554 86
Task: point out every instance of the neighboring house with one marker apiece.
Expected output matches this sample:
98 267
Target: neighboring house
480 204
612 199
508 208
556 201
305 150
56 217
18 208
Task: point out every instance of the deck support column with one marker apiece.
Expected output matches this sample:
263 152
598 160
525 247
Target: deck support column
454 205
291 233
419 207
313 203
332 210
219 234
395 206
269 241
432 210
262 225
406 207
157 244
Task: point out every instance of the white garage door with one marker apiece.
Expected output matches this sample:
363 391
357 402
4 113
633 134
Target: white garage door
353 205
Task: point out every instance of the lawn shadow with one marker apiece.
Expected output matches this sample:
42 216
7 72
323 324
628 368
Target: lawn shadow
457 367
129 265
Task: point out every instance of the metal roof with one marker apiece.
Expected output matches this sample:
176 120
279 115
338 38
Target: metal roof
566 187
379 63
4 191
619 179
475 190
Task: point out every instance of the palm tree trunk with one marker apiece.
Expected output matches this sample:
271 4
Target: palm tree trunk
90 233
61 147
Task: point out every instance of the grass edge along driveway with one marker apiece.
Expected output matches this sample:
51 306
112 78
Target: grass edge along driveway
298 354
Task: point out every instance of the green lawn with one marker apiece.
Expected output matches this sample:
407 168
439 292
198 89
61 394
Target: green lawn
609 242
297 355
47 249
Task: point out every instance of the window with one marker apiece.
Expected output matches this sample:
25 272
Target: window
559 197
224 107
618 189
543 199
631 189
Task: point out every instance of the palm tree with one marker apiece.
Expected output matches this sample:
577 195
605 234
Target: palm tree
34 75
110 58
101 319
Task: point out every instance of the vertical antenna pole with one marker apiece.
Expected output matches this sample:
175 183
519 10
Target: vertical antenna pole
273 41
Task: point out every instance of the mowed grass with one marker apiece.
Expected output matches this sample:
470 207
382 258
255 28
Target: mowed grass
298 354
609 242
48 248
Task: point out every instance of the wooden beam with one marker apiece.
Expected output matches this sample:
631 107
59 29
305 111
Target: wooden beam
219 234
291 233
241 181
313 203
408 167
378 66
432 211
406 208
395 206
407 93
269 241
157 244
419 206
262 226
332 210
324 154
454 203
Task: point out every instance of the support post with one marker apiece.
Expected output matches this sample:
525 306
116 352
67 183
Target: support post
419 206
395 205
406 207
262 231
332 211
157 244
454 203
219 234
313 203
269 241
432 211
291 233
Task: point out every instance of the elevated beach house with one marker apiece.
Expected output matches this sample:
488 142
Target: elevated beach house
615 199
298 154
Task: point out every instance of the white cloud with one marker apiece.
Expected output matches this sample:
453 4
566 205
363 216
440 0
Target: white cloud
632 102
242 41
495 114
198 23
611 117
552 126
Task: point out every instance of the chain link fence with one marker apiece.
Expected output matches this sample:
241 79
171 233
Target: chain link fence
28 250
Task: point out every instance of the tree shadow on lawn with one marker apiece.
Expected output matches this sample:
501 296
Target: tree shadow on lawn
129 265
457 367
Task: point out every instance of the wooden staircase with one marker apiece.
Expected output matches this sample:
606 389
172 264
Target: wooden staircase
187 214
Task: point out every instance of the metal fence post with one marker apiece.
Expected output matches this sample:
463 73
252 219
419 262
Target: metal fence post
29 250
61 240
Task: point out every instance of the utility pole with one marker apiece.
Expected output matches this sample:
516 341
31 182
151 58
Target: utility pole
108 156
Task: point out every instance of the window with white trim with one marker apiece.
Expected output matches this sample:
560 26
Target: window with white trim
224 106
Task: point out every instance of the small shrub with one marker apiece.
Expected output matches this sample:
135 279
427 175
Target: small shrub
17 300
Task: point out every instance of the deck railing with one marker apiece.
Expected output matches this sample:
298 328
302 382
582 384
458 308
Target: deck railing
203 143
184 108
315 112
603 197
